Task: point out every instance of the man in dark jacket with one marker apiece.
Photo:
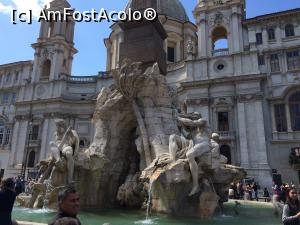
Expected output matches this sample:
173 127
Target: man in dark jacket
7 199
68 208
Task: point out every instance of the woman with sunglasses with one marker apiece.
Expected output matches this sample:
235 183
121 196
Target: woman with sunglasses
291 209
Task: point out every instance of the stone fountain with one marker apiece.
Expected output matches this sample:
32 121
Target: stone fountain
140 139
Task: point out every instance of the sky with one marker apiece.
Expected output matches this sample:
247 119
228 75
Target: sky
16 40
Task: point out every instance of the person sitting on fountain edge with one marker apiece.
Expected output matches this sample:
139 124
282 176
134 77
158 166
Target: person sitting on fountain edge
7 200
68 208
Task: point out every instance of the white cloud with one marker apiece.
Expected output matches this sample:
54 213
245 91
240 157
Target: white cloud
5 8
24 6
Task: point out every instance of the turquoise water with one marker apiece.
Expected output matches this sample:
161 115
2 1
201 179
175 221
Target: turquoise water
248 214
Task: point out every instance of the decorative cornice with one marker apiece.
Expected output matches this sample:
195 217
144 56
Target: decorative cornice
25 117
272 16
249 97
232 80
197 101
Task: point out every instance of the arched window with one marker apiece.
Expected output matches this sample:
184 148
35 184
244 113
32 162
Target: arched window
294 104
289 30
225 150
219 41
46 69
31 159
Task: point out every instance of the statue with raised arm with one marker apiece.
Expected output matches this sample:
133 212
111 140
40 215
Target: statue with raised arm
66 145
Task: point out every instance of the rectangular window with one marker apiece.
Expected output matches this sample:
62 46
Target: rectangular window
8 78
295 116
13 98
5 99
271 34
261 60
223 121
7 136
293 60
280 118
35 132
17 76
171 54
259 40
1 135
274 62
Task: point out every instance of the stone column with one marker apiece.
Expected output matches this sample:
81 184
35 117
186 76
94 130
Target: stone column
108 56
274 129
63 30
288 117
120 40
265 38
56 65
72 30
202 39
243 135
57 26
261 137
42 29
278 35
283 60
114 55
178 51
21 147
235 30
44 139
14 142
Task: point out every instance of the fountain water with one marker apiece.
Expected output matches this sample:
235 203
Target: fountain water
149 199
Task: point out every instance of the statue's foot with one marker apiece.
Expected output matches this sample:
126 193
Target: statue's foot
195 190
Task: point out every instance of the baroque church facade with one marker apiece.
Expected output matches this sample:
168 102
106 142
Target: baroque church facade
248 89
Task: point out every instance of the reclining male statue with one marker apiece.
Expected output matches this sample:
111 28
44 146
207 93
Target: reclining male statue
195 144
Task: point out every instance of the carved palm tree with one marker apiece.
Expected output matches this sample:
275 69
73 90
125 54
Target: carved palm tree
129 80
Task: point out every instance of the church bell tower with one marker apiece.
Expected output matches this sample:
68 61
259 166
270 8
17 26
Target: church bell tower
54 48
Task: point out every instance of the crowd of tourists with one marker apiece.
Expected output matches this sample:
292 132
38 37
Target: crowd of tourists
248 191
285 198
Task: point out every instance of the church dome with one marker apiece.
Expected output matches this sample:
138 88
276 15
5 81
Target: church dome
171 8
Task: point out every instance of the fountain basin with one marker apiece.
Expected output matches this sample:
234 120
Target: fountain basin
249 213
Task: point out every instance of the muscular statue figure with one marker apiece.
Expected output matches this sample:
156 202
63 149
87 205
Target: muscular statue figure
66 144
199 144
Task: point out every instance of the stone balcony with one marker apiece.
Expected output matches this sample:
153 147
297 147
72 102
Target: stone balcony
86 79
286 136
220 52
34 143
227 135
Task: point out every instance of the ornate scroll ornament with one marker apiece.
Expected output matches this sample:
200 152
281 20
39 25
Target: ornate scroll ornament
218 19
41 90
47 53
